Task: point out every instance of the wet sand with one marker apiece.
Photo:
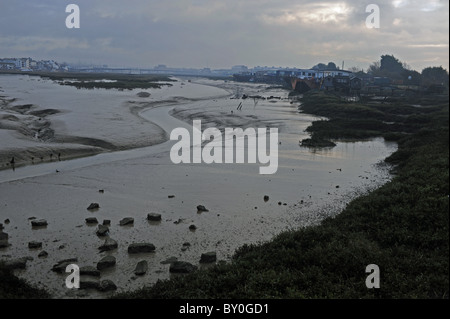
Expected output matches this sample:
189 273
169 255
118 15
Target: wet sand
309 184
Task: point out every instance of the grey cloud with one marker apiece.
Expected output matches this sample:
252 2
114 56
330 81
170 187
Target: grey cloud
222 33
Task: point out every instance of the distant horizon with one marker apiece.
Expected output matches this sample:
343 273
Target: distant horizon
100 64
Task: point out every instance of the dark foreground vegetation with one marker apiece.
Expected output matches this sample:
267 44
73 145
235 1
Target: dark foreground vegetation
12 287
403 227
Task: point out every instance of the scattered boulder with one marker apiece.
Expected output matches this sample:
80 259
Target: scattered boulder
141 248
61 266
89 283
1 226
181 267
107 285
127 221
91 220
34 244
102 230
169 260
89 271
109 244
209 257
106 262
4 244
7 221
93 206
192 227
106 222
141 268
154 217
266 198
202 208
43 254
3 236
39 223
19 263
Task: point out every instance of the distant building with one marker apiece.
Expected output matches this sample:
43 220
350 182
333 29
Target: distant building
239 69
7 65
28 64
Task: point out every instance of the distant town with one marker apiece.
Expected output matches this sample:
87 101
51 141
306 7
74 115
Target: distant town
389 76
30 65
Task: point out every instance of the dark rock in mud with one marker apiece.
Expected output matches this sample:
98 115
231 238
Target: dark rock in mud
107 285
39 223
102 230
182 267
106 222
209 257
106 262
4 244
34 244
3 236
169 260
202 208
19 263
61 266
141 248
109 244
91 220
89 283
192 227
141 268
43 254
89 271
127 221
266 198
93 206
153 217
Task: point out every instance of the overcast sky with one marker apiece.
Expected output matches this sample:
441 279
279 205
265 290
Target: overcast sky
223 33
